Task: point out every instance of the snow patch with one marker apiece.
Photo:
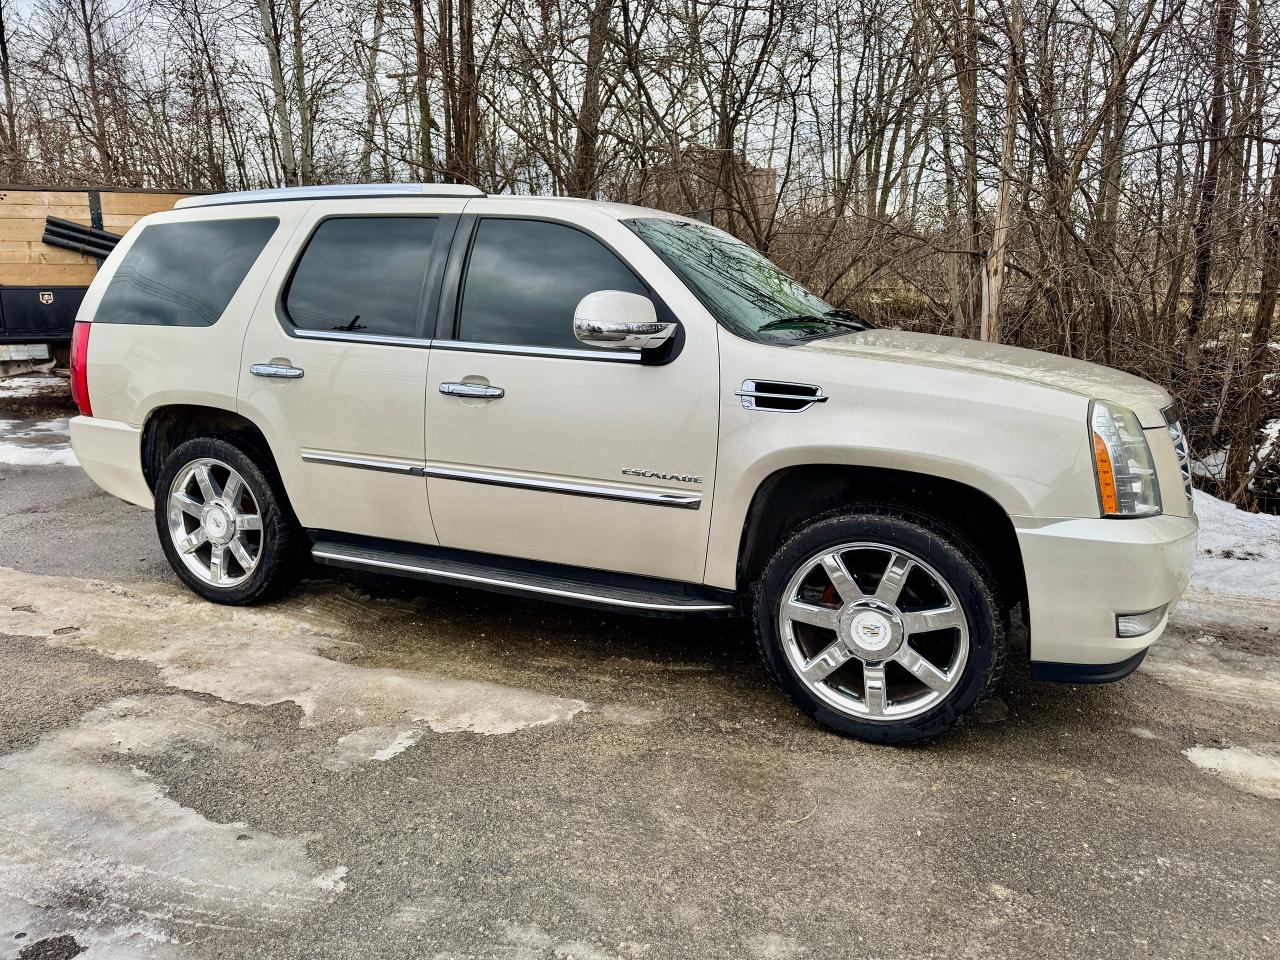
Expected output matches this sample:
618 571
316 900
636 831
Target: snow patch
1239 551
91 844
38 443
333 881
372 744
19 455
1214 684
1212 466
1254 771
776 946
531 940
261 657
22 387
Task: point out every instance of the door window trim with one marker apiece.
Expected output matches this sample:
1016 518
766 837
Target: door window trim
428 296
449 309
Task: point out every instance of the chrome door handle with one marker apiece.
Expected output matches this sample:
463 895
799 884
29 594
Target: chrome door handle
280 370
472 390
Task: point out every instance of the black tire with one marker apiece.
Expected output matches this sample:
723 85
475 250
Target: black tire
282 547
944 549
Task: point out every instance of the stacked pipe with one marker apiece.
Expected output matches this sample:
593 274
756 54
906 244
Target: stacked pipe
76 236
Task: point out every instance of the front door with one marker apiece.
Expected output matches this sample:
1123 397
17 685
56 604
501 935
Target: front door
335 365
577 456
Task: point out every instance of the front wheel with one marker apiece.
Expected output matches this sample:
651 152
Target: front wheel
224 523
881 625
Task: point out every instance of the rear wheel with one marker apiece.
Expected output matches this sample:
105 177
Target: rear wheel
881 625
224 523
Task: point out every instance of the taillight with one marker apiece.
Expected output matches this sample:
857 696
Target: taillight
80 367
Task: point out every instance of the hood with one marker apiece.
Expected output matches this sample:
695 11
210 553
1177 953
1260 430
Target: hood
1086 379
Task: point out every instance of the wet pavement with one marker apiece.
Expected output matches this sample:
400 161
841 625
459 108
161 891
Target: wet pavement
380 768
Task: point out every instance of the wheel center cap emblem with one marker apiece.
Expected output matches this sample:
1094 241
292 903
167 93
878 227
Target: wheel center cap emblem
218 524
871 631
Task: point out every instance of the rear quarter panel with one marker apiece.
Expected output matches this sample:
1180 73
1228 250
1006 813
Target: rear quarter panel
133 369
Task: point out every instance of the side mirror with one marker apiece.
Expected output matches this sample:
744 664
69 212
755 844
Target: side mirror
618 321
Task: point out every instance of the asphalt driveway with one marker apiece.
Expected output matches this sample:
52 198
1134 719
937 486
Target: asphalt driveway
373 768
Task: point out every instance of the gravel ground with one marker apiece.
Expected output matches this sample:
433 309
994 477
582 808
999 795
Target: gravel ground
374 768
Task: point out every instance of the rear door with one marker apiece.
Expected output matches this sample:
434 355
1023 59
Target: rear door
335 362
589 457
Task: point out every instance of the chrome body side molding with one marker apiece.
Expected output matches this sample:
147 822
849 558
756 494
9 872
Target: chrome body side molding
363 463
657 498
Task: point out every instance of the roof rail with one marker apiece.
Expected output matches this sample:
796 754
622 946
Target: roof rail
335 191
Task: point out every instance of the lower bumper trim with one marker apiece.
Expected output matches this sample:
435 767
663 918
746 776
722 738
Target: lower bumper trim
1086 672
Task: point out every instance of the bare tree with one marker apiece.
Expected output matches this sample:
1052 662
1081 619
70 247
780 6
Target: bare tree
1094 177
283 142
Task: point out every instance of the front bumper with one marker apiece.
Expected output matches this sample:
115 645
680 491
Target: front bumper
111 453
1083 573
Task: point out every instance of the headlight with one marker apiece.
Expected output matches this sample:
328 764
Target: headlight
1123 468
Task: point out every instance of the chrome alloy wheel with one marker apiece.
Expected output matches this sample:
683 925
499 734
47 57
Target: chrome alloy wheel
215 523
873 631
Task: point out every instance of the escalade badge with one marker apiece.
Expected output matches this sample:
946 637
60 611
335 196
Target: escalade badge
46 296
658 475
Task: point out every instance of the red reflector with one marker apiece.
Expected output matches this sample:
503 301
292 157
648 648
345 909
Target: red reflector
80 367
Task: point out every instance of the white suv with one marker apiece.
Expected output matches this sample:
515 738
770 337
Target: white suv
613 406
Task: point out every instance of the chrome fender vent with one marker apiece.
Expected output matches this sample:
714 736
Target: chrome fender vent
779 396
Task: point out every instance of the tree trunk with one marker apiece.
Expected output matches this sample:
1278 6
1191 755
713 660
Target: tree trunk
12 158
582 175
989 329
1258 360
271 38
956 300
461 91
426 161
1206 207
306 136
1102 249
966 54
371 94
101 140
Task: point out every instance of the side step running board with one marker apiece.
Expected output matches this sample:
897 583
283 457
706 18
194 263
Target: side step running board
555 582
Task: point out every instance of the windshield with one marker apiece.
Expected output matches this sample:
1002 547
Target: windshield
743 289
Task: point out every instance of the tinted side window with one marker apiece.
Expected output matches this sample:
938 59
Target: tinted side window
364 275
525 277
183 274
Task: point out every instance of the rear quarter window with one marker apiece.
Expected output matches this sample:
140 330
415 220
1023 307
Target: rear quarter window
183 274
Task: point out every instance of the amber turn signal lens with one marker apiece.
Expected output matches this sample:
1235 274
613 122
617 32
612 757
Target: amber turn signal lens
1106 476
